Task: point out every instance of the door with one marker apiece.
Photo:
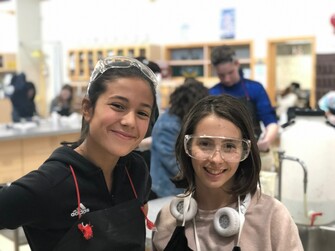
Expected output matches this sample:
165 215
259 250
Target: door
291 60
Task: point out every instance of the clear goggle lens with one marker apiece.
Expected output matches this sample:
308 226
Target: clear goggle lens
205 147
120 62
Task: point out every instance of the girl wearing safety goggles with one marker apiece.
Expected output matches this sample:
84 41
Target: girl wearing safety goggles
223 207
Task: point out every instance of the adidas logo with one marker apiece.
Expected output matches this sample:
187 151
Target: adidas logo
83 210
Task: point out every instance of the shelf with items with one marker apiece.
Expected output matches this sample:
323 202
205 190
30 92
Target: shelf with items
186 60
7 66
81 62
193 60
20 155
150 51
7 62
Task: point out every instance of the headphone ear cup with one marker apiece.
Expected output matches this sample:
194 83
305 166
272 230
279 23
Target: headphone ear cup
177 209
226 221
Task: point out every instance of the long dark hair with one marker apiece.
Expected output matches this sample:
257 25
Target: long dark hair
99 86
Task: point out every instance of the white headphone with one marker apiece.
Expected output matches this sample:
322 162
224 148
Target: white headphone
227 221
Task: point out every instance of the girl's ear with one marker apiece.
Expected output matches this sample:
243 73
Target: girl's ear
87 109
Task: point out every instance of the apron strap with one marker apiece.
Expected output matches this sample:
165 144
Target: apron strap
246 93
150 224
86 229
77 190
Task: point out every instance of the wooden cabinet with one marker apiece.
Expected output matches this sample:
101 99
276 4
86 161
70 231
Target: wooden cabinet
10 161
22 155
7 62
7 65
191 59
6 110
81 62
36 150
194 60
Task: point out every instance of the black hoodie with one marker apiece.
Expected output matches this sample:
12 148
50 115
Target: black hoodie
45 203
22 100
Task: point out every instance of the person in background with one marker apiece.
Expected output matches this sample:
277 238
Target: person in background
252 94
223 207
22 96
327 104
63 103
164 165
144 147
92 194
287 102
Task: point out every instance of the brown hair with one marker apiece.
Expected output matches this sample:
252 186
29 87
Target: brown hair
246 178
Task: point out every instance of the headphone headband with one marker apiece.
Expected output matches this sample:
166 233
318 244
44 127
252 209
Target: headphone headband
227 220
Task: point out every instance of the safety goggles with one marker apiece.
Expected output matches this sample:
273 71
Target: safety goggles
120 62
204 147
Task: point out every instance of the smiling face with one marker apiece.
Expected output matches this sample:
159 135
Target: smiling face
215 172
121 117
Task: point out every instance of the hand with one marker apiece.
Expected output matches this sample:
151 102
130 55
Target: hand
263 145
144 145
271 134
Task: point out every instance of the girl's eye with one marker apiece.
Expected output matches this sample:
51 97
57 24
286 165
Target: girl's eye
229 147
117 106
203 143
144 114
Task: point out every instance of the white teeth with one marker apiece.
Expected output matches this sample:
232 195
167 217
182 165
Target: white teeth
214 172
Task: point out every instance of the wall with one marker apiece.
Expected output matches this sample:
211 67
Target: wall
83 23
8 38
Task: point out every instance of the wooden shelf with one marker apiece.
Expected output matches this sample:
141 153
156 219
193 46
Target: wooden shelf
188 62
194 59
22 155
7 62
182 60
81 62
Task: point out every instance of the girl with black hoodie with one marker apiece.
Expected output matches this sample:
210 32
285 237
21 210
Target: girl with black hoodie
92 194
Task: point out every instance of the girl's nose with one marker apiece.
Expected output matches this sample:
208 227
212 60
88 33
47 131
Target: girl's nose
217 157
129 119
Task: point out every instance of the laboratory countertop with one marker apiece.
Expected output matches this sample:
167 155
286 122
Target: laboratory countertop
42 127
